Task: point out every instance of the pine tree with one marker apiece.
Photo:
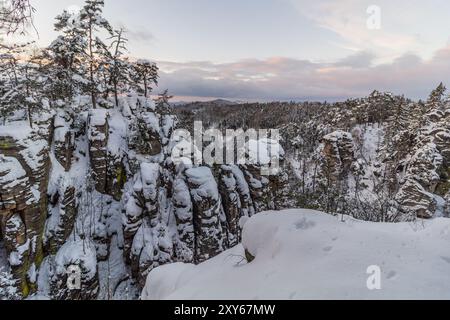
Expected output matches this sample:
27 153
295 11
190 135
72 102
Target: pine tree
31 84
145 75
435 100
8 286
11 90
114 66
67 58
91 22
163 103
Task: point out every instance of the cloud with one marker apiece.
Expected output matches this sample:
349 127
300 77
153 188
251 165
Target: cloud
358 60
406 25
280 78
140 35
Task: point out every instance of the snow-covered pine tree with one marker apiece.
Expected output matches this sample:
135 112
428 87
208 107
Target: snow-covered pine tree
66 55
7 86
91 21
435 100
12 90
163 103
114 66
8 286
144 76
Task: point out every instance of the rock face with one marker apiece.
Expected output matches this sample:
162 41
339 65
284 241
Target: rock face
63 139
427 174
447 205
97 192
24 174
232 205
98 132
415 200
415 195
184 215
338 152
60 223
207 208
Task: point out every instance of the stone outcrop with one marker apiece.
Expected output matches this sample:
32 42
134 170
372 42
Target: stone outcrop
416 193
63 139
24 173
447 205
183 211
209 237
415 201
231 201
338 153
98 132
62 215
80 180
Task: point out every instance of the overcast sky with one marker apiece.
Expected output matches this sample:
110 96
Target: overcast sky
281 49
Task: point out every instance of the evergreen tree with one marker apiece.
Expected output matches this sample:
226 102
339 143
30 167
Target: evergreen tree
8 286
67 58
91 22
145 75
114 66
435 100
163 103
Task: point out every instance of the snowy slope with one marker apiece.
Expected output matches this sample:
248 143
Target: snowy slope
304 254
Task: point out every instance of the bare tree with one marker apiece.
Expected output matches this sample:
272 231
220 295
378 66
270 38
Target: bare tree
16 16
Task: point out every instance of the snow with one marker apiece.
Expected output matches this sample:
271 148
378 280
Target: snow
117 134
182 200
204 182
305 254
262 151
79 252
12 172
98 117
19 130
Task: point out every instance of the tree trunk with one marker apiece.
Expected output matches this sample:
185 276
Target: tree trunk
91 69
145 87
30 119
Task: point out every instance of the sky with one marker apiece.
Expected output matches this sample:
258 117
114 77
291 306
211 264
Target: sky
281 49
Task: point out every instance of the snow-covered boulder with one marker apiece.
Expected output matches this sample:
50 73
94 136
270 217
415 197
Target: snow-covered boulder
77 259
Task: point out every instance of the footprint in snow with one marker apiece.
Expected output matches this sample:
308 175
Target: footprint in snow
446 259
328 249
391 275
304 224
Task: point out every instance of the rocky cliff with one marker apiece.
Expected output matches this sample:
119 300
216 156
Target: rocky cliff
98 190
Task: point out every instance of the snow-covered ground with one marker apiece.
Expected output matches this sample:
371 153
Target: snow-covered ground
304 254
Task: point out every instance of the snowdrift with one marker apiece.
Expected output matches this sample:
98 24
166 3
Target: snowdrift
305 254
